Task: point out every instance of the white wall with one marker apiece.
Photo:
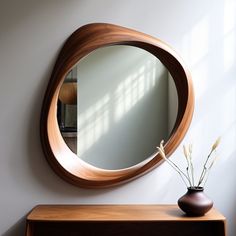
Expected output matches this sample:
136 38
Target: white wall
32 32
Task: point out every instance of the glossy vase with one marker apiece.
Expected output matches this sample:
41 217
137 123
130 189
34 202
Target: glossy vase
194 202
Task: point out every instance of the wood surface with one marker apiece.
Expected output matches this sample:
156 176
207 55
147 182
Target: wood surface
116 213
121 220
83 41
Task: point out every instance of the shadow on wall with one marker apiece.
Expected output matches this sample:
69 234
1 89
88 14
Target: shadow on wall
17 229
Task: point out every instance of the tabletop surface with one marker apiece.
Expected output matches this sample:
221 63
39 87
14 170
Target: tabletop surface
116 213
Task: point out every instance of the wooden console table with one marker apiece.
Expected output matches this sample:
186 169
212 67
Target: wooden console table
121 220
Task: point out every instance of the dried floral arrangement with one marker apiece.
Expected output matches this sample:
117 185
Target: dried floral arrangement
188 175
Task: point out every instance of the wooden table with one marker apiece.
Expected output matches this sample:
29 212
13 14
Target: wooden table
121 220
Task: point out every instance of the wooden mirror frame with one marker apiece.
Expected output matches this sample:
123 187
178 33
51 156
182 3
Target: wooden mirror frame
83 41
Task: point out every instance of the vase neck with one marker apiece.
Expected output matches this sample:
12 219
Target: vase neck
195 189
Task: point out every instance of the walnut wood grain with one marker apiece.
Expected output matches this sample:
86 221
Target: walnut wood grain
83 41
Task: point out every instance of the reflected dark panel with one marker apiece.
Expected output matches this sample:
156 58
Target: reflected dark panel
67 110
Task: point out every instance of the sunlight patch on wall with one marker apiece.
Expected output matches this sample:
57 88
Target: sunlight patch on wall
229 50
227 108
229 15
195 48
196 42
227 115
224 124
229 140
229 34
201 75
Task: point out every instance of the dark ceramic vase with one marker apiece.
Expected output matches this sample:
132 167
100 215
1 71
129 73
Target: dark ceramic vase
194 202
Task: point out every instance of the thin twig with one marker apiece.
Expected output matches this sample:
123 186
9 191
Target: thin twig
191 162
204 168
176 168
186 153
189 177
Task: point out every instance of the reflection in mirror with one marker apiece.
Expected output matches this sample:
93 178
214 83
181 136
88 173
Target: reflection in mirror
116 105
67 110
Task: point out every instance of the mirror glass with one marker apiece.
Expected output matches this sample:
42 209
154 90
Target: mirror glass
116 105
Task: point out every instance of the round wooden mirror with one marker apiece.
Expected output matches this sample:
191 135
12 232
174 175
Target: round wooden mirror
90 40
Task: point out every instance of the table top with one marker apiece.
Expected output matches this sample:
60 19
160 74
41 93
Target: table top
116 213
